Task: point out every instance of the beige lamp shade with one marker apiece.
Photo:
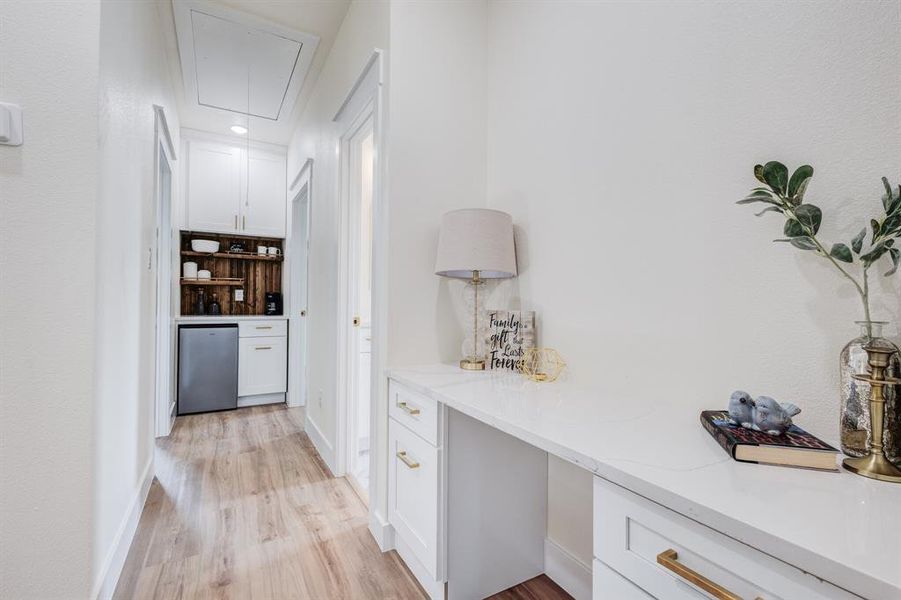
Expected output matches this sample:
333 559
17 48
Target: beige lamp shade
476 239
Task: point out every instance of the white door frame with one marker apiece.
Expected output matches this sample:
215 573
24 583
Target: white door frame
164 150
364 101
301 190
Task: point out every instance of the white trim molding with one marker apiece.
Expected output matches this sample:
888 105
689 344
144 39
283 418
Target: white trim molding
108 576
381 530
567 571
326 451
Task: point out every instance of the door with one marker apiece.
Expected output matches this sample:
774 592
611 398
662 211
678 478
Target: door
298 254
164 400
358 185
266 202
213 187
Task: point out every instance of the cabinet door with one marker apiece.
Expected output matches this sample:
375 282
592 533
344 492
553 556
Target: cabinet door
262 365
213 187
266 201
413 471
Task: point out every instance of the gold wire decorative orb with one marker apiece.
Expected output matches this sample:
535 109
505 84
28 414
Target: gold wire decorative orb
542 364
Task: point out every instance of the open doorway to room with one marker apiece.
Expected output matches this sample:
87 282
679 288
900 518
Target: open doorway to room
359 308
298 254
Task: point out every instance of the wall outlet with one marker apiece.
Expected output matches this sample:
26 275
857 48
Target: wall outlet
239 295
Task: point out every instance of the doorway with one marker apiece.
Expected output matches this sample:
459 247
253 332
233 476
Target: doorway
298 254
360 308
161 260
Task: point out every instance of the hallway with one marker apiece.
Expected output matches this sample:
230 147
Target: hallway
243 507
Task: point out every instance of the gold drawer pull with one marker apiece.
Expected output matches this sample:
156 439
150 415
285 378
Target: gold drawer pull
410 463
669 560
405 407
262 347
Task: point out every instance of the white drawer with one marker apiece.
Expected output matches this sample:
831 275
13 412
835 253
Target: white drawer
413 410
631 533
263 328
607 584
413 508
262 365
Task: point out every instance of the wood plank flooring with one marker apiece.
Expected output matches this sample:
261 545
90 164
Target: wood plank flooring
243 507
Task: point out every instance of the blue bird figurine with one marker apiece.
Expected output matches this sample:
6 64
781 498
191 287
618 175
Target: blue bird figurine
773 417
741 408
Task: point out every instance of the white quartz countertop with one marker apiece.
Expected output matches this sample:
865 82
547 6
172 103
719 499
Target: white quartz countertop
228 318
840 527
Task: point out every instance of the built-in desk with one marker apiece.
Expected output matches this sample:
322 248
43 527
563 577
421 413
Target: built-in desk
468 450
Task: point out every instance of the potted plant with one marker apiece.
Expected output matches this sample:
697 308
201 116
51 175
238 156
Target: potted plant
876 242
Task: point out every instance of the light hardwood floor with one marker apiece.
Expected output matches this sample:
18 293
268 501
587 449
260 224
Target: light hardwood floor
243 507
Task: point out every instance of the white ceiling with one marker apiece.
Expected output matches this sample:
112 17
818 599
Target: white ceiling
223 62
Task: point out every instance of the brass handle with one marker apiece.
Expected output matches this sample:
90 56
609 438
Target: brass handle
262 347
264 327
406 407
669 559
410 463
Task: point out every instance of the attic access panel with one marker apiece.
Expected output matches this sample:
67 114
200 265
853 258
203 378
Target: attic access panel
238 63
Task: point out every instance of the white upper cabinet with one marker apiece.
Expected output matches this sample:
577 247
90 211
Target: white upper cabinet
213 190
230 189
265 203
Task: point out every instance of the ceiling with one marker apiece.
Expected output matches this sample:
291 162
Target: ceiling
246 69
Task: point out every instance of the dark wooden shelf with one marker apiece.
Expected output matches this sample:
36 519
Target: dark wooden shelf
217 281
237 255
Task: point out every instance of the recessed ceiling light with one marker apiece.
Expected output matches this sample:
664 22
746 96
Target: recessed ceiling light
238 129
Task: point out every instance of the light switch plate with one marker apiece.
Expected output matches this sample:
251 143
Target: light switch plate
239 295
10 124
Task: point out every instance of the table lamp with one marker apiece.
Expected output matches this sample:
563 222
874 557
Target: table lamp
476 244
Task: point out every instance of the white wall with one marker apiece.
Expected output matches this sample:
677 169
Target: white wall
620 135
364 29
133 77
48 191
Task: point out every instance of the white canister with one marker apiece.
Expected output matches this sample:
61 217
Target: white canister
261 249
189 270
202 274
273 251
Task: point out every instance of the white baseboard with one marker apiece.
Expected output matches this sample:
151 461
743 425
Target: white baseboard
435 589
567 571
260 399
108 576
325 449
381 530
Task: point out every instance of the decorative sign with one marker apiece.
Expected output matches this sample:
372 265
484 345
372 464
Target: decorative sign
510 334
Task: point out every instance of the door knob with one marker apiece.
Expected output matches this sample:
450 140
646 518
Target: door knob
356 321
303 313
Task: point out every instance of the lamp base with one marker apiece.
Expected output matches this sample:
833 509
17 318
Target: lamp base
874 466
473 364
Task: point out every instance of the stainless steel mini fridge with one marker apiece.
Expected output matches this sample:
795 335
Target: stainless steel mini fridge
207 368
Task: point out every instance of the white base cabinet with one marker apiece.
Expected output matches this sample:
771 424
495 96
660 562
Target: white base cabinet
262 358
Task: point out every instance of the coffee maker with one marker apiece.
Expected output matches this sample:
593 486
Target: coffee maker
273 303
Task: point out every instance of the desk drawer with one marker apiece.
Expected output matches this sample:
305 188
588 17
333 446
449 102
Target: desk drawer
413 506
415 411
633 536
263 328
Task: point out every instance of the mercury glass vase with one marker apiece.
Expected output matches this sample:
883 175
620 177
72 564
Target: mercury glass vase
854 421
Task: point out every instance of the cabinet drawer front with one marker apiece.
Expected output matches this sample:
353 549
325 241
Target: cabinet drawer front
650 545
262 365
607 584
413 471
417 412
262 328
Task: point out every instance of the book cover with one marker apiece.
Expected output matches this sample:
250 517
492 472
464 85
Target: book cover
795 448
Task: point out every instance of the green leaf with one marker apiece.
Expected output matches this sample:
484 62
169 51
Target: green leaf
810 216
896 261
760 196
857 242
758 173
841 252
875 225
804 243
798 182
793 228
768 209
775 175
890 224
889 196
875 254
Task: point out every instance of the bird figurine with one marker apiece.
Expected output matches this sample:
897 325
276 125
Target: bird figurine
741 409
772 417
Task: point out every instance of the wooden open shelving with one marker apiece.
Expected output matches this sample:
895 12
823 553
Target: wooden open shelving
255 273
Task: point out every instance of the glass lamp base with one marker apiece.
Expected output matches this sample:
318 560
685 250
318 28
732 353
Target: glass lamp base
473 364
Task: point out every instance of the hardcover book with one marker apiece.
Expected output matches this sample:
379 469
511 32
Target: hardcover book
796 448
